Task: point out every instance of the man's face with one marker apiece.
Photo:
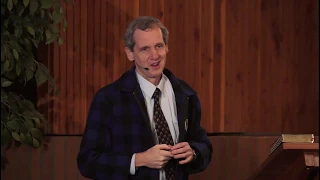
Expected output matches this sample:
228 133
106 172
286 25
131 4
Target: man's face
149 52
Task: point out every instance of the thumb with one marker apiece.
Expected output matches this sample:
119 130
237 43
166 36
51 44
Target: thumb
164 147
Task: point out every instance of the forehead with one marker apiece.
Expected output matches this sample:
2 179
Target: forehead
149 36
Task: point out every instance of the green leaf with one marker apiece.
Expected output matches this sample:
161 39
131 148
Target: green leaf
36 133
35 42
5 136
60 41
35 143
31 30
56 17
5 82
9 5
15 2
48 33
14 44
22 137
28 74
37 120
65 25
6 66
15 136
25 3
29 123
15 54
4 96
28 139
13 125
33 6
24 129
29 105
18 69
41 76
46 4
54 28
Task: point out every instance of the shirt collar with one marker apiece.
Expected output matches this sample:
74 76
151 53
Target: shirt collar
148 88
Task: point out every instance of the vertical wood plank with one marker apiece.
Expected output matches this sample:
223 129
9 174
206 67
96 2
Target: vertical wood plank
83 65
46 162
76 81
71 151
60 159
90 53
63 78
35 161
109 41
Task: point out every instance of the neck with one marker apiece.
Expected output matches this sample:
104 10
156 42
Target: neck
154 81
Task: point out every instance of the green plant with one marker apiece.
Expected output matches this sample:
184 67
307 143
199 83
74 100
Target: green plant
25 24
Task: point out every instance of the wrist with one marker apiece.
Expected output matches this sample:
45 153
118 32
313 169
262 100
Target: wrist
139 161
194 155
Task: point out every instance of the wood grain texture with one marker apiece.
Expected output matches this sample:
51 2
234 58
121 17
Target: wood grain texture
254 63
234 157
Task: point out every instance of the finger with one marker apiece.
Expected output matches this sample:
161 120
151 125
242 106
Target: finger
180 150
163 147
185 160
179 145
166 153
183 155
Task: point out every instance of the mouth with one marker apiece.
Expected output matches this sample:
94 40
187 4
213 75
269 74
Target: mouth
155 64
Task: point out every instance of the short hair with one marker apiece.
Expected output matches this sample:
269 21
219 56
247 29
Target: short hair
144 23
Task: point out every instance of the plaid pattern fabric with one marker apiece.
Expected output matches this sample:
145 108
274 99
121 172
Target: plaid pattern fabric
118 126
163 132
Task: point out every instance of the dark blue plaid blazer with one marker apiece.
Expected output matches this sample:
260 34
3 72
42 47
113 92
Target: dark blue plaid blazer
118 126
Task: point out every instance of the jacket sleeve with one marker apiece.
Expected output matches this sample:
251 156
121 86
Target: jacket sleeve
198 139
95 159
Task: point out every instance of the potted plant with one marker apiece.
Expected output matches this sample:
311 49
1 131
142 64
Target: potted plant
25 25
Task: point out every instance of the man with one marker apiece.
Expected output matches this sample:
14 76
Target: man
146 124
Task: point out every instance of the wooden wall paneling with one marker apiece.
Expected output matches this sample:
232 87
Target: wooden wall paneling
235 65
90 54
103 43
62 73
213 52
116 40
59 147
207 62
110 60
96 45
70 90
253 64
123 61
76 127
71 152
46 162
83 62
253 25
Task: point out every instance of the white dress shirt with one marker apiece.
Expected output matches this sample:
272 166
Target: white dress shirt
168 106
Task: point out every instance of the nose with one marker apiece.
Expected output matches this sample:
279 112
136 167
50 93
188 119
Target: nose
154 54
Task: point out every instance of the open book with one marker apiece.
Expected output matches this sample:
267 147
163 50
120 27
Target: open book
292 138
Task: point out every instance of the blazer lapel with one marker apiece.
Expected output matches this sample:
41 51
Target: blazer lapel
182 92
129 84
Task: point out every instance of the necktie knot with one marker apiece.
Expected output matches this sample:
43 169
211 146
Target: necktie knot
156 94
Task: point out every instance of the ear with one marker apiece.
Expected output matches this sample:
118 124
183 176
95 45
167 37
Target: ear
167 48
129 54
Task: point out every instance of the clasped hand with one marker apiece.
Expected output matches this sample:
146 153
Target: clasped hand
159 155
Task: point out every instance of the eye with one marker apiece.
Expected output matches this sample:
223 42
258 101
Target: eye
144 48
159 45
